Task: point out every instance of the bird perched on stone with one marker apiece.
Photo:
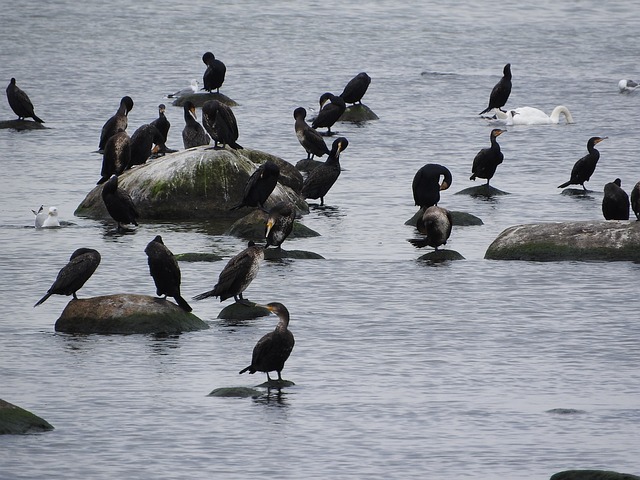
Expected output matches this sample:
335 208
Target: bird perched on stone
213 77
259 186
164 269
426 184
220 122
309 138
435 223
20 103
116 156
615 203
322 178
584 168
119 203
193 134
635 200
118 121
487 160
356 88
162 123
331 109
142 144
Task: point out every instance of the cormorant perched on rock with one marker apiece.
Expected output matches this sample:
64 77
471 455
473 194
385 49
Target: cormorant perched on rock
356 88
584 168
308 137
635 200
116 157
273 349
501 91
162 123
220 122
119 203
142 142
237 274
193 134
82 263
164 269
487 160
615 203
20 103
117 122
279 223
260 185
426 184
435 223
322 178
213 77
329 112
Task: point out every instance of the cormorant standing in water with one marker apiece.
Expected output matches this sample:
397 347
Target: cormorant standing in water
20 103
435 223
193 134
615 203
487 160
356 88
501 91
584 168
116 157
119 203
309 138
213 77
237 275
322 178
162 123
82 263
220 122
635 200
259 186
117 122
274 348
142 142
164 269
279 223
329 112
426 184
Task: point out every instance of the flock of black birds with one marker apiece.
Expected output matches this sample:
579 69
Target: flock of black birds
121 152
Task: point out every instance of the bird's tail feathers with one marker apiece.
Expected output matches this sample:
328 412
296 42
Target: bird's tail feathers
37 119
484 111
182 303
237 146
43 299
419 242
246 369
565 184
204 295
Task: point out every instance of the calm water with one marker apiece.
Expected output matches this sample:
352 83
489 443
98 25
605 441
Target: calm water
403 369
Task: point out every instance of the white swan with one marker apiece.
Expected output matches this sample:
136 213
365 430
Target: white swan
533 116
627 86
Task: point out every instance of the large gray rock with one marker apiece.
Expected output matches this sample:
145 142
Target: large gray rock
15 420
592 475
587 240
199 183
358 113
21 125
199 99
126 314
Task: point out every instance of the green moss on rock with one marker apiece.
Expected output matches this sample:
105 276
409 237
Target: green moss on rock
15 420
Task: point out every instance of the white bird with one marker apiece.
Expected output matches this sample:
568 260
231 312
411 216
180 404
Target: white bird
627 86
40 216
532 116
186 91
51 220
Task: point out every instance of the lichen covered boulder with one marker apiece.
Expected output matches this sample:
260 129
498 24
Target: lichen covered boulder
587 240
16 421
126 314
198 183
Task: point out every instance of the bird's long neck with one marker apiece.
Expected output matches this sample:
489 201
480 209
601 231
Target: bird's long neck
283 324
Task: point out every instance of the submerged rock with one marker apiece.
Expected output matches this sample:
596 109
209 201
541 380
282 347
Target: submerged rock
199 183
483 190
460 219
308 164
592 475
441 255
126 314
243 311
252 227
587 240
358 113
16 421
20 125
282 254
198 257
199 99
236 392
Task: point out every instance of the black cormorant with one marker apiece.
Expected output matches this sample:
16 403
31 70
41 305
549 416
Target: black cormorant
615 203
142 142
82 263
273 349
435 223
213 77
635 200
487 160
322 178
117 122
259 186
237 274
20 103
116 157
162 123
279 223
329 112
193 134
501 91
220 122
308 137
164 269
356 88
426 184
119 203
584 168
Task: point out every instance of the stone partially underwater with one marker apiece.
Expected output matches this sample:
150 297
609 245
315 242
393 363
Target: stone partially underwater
21 125
483 190
200 98
358 113
592 475
18 421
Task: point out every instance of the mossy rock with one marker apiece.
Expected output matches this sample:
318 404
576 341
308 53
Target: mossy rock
483 190
126 314
252 227
460 219
236 392
17 421
198 183
358 113
587 240
199 99
441 255
243 311
282 254
198 257
592 475
21 125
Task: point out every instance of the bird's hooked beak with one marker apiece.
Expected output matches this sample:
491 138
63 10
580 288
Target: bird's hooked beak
155 149
599 139
193 112
444 185
499 132
269 227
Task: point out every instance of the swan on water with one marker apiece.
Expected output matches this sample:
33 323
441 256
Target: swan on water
532 116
